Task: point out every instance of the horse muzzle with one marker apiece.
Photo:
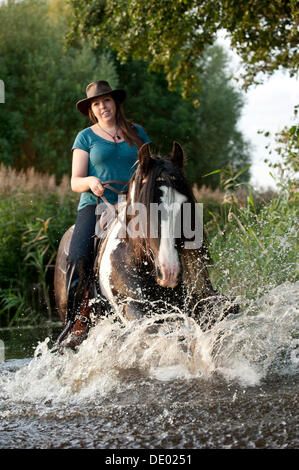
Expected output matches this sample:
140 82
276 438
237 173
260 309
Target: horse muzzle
167 276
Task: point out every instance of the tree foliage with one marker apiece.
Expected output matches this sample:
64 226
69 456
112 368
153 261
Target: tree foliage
43 81
208 133
219 143
173 34
164 114
287 147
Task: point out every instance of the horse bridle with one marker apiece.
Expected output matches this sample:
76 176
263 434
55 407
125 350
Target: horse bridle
160 178
107 185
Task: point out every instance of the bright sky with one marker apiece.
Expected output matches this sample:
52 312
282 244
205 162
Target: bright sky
269 107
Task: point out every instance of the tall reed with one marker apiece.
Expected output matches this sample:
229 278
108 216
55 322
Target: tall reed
34 213
253 240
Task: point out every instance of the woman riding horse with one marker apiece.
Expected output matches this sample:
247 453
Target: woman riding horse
152 258
107 150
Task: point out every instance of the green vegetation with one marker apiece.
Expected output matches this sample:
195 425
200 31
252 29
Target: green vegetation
34 213
256 248
179 88
256 243
44 79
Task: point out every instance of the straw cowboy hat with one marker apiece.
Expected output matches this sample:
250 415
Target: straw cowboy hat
96 89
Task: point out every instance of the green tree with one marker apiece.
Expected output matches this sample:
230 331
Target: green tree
164 114
208 133
219 142
287 147
173 34
43 80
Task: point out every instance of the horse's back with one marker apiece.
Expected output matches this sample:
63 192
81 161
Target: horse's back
60 273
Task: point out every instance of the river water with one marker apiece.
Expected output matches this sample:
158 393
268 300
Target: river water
173 386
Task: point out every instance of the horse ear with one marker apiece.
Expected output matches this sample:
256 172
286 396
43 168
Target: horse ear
144 157
177 156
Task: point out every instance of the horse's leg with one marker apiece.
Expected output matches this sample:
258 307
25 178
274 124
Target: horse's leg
195 273
207 305
132 310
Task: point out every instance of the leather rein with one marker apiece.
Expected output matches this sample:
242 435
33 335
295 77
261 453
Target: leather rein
107 185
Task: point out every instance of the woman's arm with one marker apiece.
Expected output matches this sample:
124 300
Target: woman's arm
80 182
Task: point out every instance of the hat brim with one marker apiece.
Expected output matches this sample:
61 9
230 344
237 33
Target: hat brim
117 95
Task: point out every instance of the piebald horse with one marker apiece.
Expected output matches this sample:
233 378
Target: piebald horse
152 256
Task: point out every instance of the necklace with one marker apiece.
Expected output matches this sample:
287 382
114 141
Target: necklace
115 137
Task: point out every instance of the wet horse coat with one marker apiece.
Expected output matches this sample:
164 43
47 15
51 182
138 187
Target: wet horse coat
139 273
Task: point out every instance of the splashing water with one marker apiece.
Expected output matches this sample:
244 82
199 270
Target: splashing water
263 340
244 348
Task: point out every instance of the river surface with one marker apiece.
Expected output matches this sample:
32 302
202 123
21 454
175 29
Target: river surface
140 386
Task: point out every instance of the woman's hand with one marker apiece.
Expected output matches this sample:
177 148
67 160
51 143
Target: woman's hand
95 184
80 182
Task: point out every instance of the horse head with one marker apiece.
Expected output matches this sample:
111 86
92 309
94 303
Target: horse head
159 188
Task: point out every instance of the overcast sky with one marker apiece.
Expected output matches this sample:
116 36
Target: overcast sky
269 107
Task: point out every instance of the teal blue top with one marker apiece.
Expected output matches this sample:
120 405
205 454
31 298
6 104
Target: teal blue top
107 161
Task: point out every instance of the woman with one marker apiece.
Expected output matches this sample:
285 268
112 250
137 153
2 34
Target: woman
107 150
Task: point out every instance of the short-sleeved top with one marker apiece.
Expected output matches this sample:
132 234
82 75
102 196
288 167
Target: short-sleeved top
107 161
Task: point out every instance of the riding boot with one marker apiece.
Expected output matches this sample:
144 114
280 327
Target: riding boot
73 299
70 309
78 287
80 325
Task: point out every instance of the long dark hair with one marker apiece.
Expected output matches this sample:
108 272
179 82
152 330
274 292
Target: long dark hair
127 127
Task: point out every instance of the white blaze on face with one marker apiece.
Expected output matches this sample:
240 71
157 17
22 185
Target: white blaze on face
168 259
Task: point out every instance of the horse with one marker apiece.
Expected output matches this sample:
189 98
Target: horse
146 262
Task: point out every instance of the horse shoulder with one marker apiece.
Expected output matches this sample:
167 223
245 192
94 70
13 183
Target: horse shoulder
195 272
